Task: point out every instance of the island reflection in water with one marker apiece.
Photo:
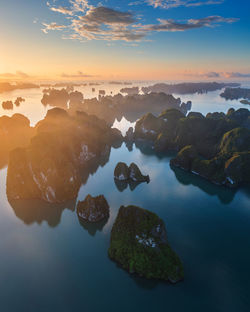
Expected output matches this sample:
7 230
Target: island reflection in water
62 262
202 221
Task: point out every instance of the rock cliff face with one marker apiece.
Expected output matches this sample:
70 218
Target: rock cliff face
212 146
15 132
93 209
50 167
139 244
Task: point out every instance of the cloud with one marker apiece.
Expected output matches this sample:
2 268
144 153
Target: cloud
169 4
18 75
213 74
62 10
79 74
236 75
74 7
102 23
102 15
171 25
52 26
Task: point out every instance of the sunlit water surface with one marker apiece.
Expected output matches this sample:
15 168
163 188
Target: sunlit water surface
49 261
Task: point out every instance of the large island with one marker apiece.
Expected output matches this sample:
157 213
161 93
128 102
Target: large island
50 167
216 147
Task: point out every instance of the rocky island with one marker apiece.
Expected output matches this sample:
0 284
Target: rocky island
7 105
6 86
139 244
132 173
50 168
93 209
216 147
15 132
188 87
131 107
236 94
247 102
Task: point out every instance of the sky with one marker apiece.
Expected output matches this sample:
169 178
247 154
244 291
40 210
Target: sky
134 39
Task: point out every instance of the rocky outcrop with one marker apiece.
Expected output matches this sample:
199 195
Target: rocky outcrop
54 97
50 167
7 105
6 86
129 137
93 209
139 244
131 107
205 145
102 92
236 94
75 97
135 174
130 91
247 102
15 132
188 88
19 100
229 167
132 173
121 172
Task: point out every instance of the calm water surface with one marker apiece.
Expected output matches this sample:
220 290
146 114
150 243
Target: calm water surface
49 261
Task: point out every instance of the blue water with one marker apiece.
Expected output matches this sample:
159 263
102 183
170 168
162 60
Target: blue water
51 262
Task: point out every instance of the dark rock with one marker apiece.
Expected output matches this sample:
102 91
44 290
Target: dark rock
205 144
139 244
236 94
56 97
185 158
132 173
15 132
195 115
50 167
129 135
121 172
148 127
102 92
136 175
93 209
19 100
130 91
7 105
236 140
188 88
75 97
216 115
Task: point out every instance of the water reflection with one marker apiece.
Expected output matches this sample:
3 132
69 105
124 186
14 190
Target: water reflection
122 185
224 194
92 228
37 211
93 165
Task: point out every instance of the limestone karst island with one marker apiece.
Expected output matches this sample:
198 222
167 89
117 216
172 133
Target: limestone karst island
124 156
